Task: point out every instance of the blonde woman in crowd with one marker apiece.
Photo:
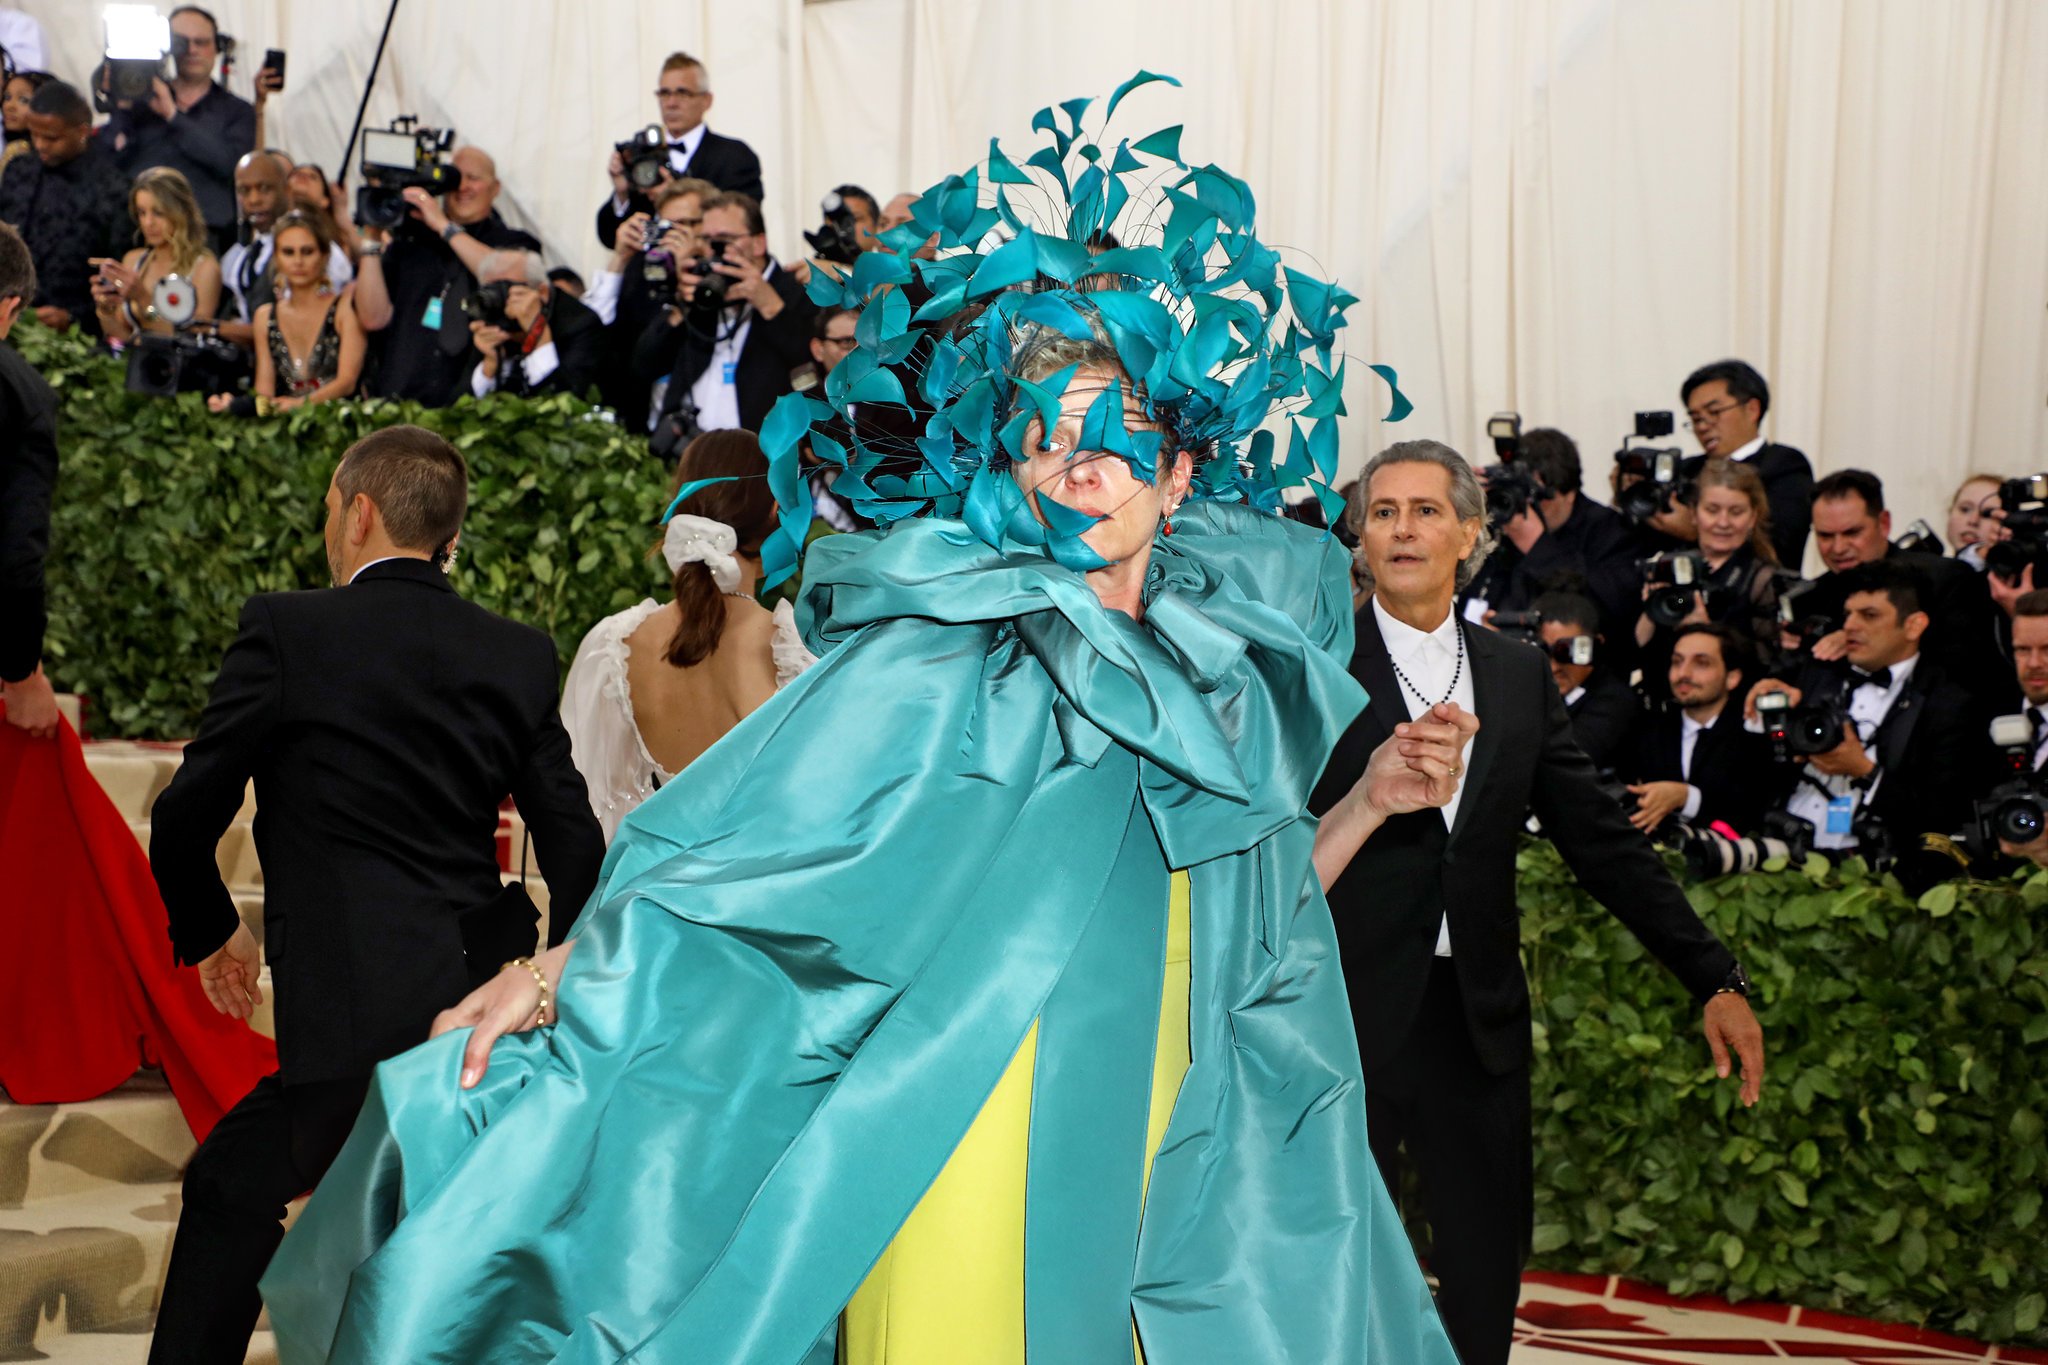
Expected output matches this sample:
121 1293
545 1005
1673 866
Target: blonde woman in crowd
173 243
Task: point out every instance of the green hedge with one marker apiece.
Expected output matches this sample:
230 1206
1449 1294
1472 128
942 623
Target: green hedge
167 517
1895 1167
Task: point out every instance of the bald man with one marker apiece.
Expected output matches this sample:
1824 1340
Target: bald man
410 284
260 199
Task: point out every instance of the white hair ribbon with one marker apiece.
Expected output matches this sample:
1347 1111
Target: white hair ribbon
700 540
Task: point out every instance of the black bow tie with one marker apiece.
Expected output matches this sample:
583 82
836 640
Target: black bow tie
1882 678
678 145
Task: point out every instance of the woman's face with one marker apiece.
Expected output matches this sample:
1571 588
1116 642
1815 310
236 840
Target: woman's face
1966 515
1725 519
307 187
14 106
1097 482
298 257
151 220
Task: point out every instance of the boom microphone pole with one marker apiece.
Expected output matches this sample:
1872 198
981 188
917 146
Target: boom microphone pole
363 105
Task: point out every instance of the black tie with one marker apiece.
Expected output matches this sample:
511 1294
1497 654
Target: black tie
2036 720
1881 679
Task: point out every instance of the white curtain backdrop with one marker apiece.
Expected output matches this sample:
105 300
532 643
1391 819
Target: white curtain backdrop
1554 206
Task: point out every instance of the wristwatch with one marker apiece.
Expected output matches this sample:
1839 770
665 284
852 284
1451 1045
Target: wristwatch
452 231
1736 984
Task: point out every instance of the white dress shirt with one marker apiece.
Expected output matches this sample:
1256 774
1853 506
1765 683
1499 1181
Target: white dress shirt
1429 660
1869 704
2039 716
716 394
1688 740
1746 451
539 363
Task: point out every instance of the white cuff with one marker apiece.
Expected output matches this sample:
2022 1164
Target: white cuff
602 298
482 384
1691 809
544 361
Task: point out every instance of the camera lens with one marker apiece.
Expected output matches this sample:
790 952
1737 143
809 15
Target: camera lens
2020 820
1669 606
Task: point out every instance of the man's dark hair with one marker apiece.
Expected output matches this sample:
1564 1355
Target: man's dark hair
1569 609
747 204
1743 382
563 275
17 267
1551 457
1852 483
1735 653
419 482
856 192
2033 603
63 101
826 317
207 15
1899 584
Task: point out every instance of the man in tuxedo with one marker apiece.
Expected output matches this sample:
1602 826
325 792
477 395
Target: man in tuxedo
549 342
1726 402
727 362
383 721
1852 528
1912 745
28 479
1426 911
1602 708
684 93
1695 761
2030 663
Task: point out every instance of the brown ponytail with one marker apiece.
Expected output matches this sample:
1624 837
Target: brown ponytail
745 504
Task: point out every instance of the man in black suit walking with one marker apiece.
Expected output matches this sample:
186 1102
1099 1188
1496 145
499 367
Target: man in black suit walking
1426 911
384 721
1725 403
684 92
28 481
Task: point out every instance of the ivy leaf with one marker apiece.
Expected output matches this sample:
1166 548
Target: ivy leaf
1792 1188
1549 1237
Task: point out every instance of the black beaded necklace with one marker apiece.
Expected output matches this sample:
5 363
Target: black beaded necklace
1456 673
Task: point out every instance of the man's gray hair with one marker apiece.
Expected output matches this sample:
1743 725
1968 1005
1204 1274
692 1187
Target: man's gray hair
1468 501
524 267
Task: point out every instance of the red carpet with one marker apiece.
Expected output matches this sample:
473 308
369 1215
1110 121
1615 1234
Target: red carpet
88 992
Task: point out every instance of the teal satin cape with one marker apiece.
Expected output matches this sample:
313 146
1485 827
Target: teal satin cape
808 962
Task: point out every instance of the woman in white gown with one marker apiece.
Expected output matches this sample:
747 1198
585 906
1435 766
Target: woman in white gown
657 684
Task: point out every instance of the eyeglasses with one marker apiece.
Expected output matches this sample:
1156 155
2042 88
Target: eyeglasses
845 343
1709 414
681 92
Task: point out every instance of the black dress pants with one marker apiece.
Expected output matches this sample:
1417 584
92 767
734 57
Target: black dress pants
265 1152
1468 1134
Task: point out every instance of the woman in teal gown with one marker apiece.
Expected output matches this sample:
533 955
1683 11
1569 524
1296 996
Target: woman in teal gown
810 960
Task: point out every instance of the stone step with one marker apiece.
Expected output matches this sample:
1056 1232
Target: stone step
90 1262
125 1348
134 1135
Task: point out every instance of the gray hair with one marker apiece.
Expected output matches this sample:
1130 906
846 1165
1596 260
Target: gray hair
521 267
1468 501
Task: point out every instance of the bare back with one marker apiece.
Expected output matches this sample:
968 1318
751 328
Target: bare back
681 712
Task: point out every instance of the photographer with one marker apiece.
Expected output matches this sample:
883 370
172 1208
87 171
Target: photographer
2030 664
683 91
410 283
531 338
191 124
1560 537
1910 746
1725 403
851 220
1734 578
1695 761
69 202
743 326
643 277
1852 528
1601 705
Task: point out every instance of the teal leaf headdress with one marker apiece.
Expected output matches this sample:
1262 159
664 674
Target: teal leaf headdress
1216 337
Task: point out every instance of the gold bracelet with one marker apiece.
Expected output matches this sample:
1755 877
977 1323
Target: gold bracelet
540 979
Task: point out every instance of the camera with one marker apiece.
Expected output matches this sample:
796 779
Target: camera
138 41
193 359
486 304
1800 732
1504 429
1709 853
1519 625
1677 579
1919 538
1511 490
1579 651
657 264
1657 476
2013 810
1808 627
712 286
838 237
645 157
2025 505
402 157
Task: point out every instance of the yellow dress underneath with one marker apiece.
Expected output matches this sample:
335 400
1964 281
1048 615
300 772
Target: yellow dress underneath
949 1290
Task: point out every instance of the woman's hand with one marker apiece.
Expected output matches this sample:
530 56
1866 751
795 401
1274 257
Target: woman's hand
508 1003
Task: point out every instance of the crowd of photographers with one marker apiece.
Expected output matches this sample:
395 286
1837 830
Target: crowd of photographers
220 265
1891 707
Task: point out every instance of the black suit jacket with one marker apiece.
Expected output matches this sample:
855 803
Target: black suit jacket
1412 871
1603 718
772 350
726 162
1592 553
1931 749
1788 487
1731 767
28 481
579 352
1962 637
384 723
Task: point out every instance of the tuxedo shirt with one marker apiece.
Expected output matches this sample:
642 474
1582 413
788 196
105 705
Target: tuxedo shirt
1430 661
